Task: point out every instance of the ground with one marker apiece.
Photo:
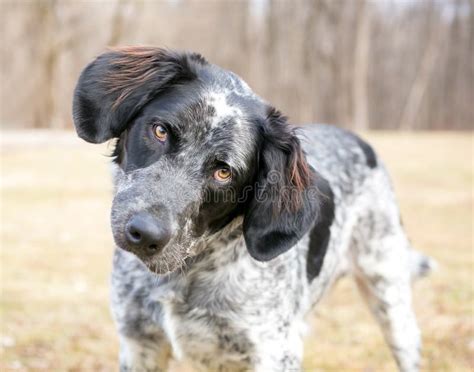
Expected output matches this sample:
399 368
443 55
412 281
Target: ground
56 251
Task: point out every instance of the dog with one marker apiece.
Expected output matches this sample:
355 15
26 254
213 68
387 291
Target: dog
230 223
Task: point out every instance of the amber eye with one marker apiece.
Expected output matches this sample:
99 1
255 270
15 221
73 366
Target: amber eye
160 132
222 175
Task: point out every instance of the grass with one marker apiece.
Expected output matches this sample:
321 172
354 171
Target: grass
56 251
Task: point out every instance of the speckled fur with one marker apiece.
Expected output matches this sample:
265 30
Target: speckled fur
227 311
205 299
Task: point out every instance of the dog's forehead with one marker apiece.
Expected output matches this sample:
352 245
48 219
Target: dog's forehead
211 113
225 129
234 109
222 109
229 94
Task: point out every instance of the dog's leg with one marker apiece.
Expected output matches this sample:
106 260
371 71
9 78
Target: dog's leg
144 355
280 352
383 275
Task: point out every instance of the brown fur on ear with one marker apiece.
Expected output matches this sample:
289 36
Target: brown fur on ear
297 175
300 176
114 87
134 66
283 208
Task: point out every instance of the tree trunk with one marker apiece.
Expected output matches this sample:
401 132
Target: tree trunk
360 97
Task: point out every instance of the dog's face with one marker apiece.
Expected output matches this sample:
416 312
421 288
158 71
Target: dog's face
183 167
197 152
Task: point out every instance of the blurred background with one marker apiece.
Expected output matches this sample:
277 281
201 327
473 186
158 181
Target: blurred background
399 72
381 64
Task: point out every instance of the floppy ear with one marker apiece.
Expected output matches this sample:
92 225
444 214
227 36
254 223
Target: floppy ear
117 84
285 204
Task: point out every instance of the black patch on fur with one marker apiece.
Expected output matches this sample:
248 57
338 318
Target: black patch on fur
281 211
320 234
118 84
368 151
85 112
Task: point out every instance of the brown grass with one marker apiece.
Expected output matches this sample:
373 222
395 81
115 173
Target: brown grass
56 257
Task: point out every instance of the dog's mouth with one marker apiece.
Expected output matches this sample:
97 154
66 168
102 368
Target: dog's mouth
174 257
156 267
166 261
163 266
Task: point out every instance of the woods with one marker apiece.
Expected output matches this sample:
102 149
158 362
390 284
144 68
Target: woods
384 64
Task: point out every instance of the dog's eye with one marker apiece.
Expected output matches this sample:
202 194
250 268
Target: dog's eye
223 175
160 132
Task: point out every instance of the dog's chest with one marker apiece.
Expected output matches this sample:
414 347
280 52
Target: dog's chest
207 339
217 319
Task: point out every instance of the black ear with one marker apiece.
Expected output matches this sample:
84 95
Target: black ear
117 84
285 203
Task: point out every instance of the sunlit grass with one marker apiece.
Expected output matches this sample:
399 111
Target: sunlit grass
56 259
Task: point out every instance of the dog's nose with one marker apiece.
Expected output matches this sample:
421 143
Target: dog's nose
146 235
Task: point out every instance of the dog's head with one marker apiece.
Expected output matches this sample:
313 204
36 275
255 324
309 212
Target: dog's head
197 151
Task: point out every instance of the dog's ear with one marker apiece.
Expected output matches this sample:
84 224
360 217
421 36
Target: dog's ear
285 204
117 84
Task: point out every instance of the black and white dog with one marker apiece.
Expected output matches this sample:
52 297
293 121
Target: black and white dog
230 223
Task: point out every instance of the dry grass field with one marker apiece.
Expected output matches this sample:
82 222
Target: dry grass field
56 257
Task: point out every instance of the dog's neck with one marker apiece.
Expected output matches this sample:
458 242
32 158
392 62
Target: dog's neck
218 250
226 242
